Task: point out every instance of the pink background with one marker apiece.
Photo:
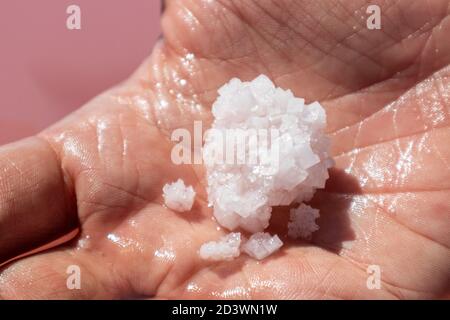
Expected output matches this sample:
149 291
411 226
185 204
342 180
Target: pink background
46 70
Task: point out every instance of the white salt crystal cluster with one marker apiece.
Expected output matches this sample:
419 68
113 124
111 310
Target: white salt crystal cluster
178 197
302 222
243 194
261 245
227 248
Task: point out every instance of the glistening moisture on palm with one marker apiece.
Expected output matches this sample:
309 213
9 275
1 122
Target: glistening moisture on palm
102 169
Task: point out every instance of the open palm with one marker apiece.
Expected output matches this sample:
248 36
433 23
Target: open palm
387 202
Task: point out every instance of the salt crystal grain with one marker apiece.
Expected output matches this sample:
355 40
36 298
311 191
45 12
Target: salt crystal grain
178 197
227 248
261 245
302 222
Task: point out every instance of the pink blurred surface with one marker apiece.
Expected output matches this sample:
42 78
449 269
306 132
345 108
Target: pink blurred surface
47 71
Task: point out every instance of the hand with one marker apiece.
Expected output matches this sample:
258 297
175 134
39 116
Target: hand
387 97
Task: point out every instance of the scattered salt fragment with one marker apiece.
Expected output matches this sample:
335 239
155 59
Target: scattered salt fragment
178 197
302 222
227 248
261 245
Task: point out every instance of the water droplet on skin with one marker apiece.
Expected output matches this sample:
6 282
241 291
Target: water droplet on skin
143 105
163 103
113 238
192 287
165 254
84 242
133 223
237 292
124 242
190 56
122 100
125 147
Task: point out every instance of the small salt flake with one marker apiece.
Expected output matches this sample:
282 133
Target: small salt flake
261 245
227 248
302 222
178 197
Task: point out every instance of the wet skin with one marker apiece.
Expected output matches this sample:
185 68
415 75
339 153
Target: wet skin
387 203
